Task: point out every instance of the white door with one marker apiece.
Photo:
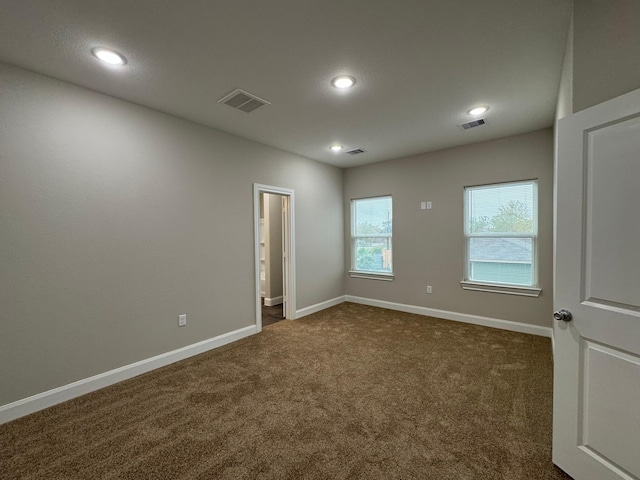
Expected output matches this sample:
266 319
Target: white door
596 418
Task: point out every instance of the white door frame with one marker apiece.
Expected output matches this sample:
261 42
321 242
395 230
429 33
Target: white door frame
289 287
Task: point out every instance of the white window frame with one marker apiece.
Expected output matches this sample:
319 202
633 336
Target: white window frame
372 275
495 287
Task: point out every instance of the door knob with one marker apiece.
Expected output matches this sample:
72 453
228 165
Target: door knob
564 315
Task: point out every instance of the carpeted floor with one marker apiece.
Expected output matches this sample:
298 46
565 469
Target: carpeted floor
352 392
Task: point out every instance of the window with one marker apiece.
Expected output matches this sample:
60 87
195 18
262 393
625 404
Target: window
500 227
371 232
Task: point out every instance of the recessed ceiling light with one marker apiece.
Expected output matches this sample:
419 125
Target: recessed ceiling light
336 148
343 81
478 110
109 56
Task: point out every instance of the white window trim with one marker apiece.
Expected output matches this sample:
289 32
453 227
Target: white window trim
505 288
387 277
371 275
499 288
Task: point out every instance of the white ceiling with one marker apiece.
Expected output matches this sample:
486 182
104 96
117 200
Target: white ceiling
419 65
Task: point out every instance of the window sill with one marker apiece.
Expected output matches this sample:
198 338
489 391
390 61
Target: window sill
387 277
507 289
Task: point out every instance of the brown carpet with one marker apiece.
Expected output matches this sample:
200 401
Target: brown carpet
352 392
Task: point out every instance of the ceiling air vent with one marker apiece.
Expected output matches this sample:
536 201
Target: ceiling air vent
355 151
475 123
243 101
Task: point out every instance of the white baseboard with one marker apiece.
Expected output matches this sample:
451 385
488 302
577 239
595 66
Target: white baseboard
52 397
303 312
270 302
458 317
20 408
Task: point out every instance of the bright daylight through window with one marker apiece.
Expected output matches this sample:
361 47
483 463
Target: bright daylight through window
501 224
371 232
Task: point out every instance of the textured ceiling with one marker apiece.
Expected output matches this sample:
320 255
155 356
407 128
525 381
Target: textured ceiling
419 64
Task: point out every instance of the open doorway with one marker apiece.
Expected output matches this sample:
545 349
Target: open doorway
271 257
274 254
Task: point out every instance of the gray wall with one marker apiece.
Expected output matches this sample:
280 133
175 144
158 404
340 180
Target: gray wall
274 245
606 49
428 244
564 105
601 58
115 219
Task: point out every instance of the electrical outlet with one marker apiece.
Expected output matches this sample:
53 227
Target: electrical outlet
182 320
428 205
429 289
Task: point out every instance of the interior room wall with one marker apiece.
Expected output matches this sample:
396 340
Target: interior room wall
428 244
564 105
116 219
273 233
606 48
261 235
